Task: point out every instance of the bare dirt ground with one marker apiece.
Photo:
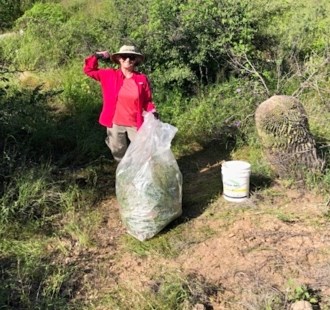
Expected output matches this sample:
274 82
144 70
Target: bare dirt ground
250 255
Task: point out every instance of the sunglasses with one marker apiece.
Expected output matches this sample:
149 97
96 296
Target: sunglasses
130 56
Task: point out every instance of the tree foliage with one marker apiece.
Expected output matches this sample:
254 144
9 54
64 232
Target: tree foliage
10 10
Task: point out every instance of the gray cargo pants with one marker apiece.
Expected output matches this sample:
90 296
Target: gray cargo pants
118 139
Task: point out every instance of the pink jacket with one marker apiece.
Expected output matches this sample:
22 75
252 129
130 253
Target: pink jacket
111 81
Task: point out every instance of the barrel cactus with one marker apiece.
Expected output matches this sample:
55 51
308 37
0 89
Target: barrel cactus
282 126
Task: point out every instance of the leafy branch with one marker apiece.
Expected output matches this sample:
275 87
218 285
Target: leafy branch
243 63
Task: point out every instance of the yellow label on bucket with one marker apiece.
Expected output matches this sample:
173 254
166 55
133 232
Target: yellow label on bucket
236 190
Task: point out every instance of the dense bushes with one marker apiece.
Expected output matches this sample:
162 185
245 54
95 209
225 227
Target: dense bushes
210 63
10 10
187 41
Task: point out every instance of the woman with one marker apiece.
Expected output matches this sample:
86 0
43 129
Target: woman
126 95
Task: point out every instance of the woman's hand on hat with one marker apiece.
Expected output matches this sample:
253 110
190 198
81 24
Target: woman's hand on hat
104 55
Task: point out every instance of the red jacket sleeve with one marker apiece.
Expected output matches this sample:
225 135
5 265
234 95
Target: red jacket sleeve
149 104
91 68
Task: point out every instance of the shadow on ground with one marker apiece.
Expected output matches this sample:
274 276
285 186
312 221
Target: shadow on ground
202 181
202 177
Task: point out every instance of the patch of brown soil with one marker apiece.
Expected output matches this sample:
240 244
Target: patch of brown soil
260 250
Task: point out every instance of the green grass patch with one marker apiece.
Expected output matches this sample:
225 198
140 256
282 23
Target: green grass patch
170 242
81 226
29 280
172 290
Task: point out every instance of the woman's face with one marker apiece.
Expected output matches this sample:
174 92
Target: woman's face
127 61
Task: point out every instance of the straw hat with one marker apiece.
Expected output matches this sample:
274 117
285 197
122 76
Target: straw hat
127 50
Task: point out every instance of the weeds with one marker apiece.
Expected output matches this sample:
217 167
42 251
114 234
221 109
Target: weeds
170 291
29 196
29 281
80 227
302 292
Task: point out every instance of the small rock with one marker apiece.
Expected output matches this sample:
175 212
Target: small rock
199 307
301 305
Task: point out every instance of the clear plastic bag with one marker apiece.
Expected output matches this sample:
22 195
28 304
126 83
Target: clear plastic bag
149 181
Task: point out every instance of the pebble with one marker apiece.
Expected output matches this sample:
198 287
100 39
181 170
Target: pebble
301 305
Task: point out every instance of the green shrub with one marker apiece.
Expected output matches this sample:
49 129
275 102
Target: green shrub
187 43
223 112
52 36
11 10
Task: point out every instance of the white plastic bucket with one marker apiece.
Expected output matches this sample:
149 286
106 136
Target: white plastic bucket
236 180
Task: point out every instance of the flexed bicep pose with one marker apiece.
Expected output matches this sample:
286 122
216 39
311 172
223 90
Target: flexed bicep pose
126 95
